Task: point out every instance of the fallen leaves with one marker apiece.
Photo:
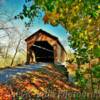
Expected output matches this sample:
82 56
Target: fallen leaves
35 83
5 93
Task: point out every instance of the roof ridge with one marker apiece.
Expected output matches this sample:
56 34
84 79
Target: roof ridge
41 30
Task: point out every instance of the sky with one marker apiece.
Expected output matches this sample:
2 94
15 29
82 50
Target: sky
13 7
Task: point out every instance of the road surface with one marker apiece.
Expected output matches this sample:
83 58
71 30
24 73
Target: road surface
6 74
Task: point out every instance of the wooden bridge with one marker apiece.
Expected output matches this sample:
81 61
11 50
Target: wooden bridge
44 47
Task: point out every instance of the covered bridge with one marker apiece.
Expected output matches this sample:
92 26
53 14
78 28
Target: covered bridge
44 47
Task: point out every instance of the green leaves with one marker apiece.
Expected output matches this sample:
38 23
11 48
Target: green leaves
96 52
80 80
96 71
79 17
21 17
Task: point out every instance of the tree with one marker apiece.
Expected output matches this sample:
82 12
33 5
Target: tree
21 36
81 18
11 39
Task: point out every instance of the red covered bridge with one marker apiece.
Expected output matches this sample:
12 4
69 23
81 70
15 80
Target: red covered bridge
44 47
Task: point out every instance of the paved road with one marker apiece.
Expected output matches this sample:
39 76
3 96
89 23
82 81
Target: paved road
6 74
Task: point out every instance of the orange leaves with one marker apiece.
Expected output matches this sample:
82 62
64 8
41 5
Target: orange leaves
35 83
26 82
60 84
5 93
51 17
46 18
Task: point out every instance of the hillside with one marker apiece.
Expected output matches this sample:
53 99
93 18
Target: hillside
46 81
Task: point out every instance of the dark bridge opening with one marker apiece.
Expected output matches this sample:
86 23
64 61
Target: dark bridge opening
43 51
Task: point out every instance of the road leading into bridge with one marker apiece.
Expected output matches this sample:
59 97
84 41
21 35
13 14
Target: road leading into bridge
7 73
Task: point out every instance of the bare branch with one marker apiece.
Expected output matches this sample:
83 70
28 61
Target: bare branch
3 36
2 28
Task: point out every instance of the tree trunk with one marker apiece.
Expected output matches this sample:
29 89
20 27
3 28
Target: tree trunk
15 53
91 78
7 50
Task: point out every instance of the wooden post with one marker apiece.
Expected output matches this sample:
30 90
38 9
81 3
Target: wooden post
55 53
28 55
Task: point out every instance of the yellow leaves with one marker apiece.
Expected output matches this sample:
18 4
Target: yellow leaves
90 20
33 79
85 32
77 7
61 16
34 90
61 10
66 9
55 15
98 46
91 46
42 88
52 22
84 35
76 83
81 35
70 24
99 6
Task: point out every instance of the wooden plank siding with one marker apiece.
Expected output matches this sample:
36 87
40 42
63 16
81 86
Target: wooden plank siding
40 35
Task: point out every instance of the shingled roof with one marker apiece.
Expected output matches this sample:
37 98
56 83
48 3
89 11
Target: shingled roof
48 34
